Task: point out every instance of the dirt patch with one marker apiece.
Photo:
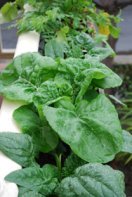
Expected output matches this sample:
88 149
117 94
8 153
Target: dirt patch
127 170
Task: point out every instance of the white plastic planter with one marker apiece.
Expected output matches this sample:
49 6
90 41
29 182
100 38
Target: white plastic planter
28 42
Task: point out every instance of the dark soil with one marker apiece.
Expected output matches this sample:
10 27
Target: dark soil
127 170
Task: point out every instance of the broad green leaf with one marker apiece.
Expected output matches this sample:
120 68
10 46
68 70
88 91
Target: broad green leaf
91 94
25 78
54 48
76 66
65 103
101 53
24 192
32 78
93 131
112 80
127 142
44 138
42 180
18 147
93 180
89 74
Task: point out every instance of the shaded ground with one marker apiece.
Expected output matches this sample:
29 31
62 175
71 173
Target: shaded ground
127 170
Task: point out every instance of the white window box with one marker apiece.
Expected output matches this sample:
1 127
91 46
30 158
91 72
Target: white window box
28 42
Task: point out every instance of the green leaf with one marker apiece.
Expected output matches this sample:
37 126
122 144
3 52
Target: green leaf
44 138
85 40
75 51
71 163
89 74
18 147
24 192
30 77
61 34
22 79
115 31
77 67
42 180
101 53
50 92
93 131
112 80
9 11
93 180
52 14
54 48
20 3
65 103
127 142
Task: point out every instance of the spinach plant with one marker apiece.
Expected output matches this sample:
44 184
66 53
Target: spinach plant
64 116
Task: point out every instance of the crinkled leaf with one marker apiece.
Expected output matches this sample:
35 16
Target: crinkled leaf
24 192
44 138
71 163
25 74
32 78
25 78
50 92
127 142
85 40
76 66
42 180
93 180
18 147
93 131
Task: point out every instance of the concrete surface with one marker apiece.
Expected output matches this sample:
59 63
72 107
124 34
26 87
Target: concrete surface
125 40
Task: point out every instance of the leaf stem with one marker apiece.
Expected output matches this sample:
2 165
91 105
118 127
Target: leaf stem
58 163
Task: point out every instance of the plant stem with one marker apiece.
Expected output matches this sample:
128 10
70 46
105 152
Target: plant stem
58 163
